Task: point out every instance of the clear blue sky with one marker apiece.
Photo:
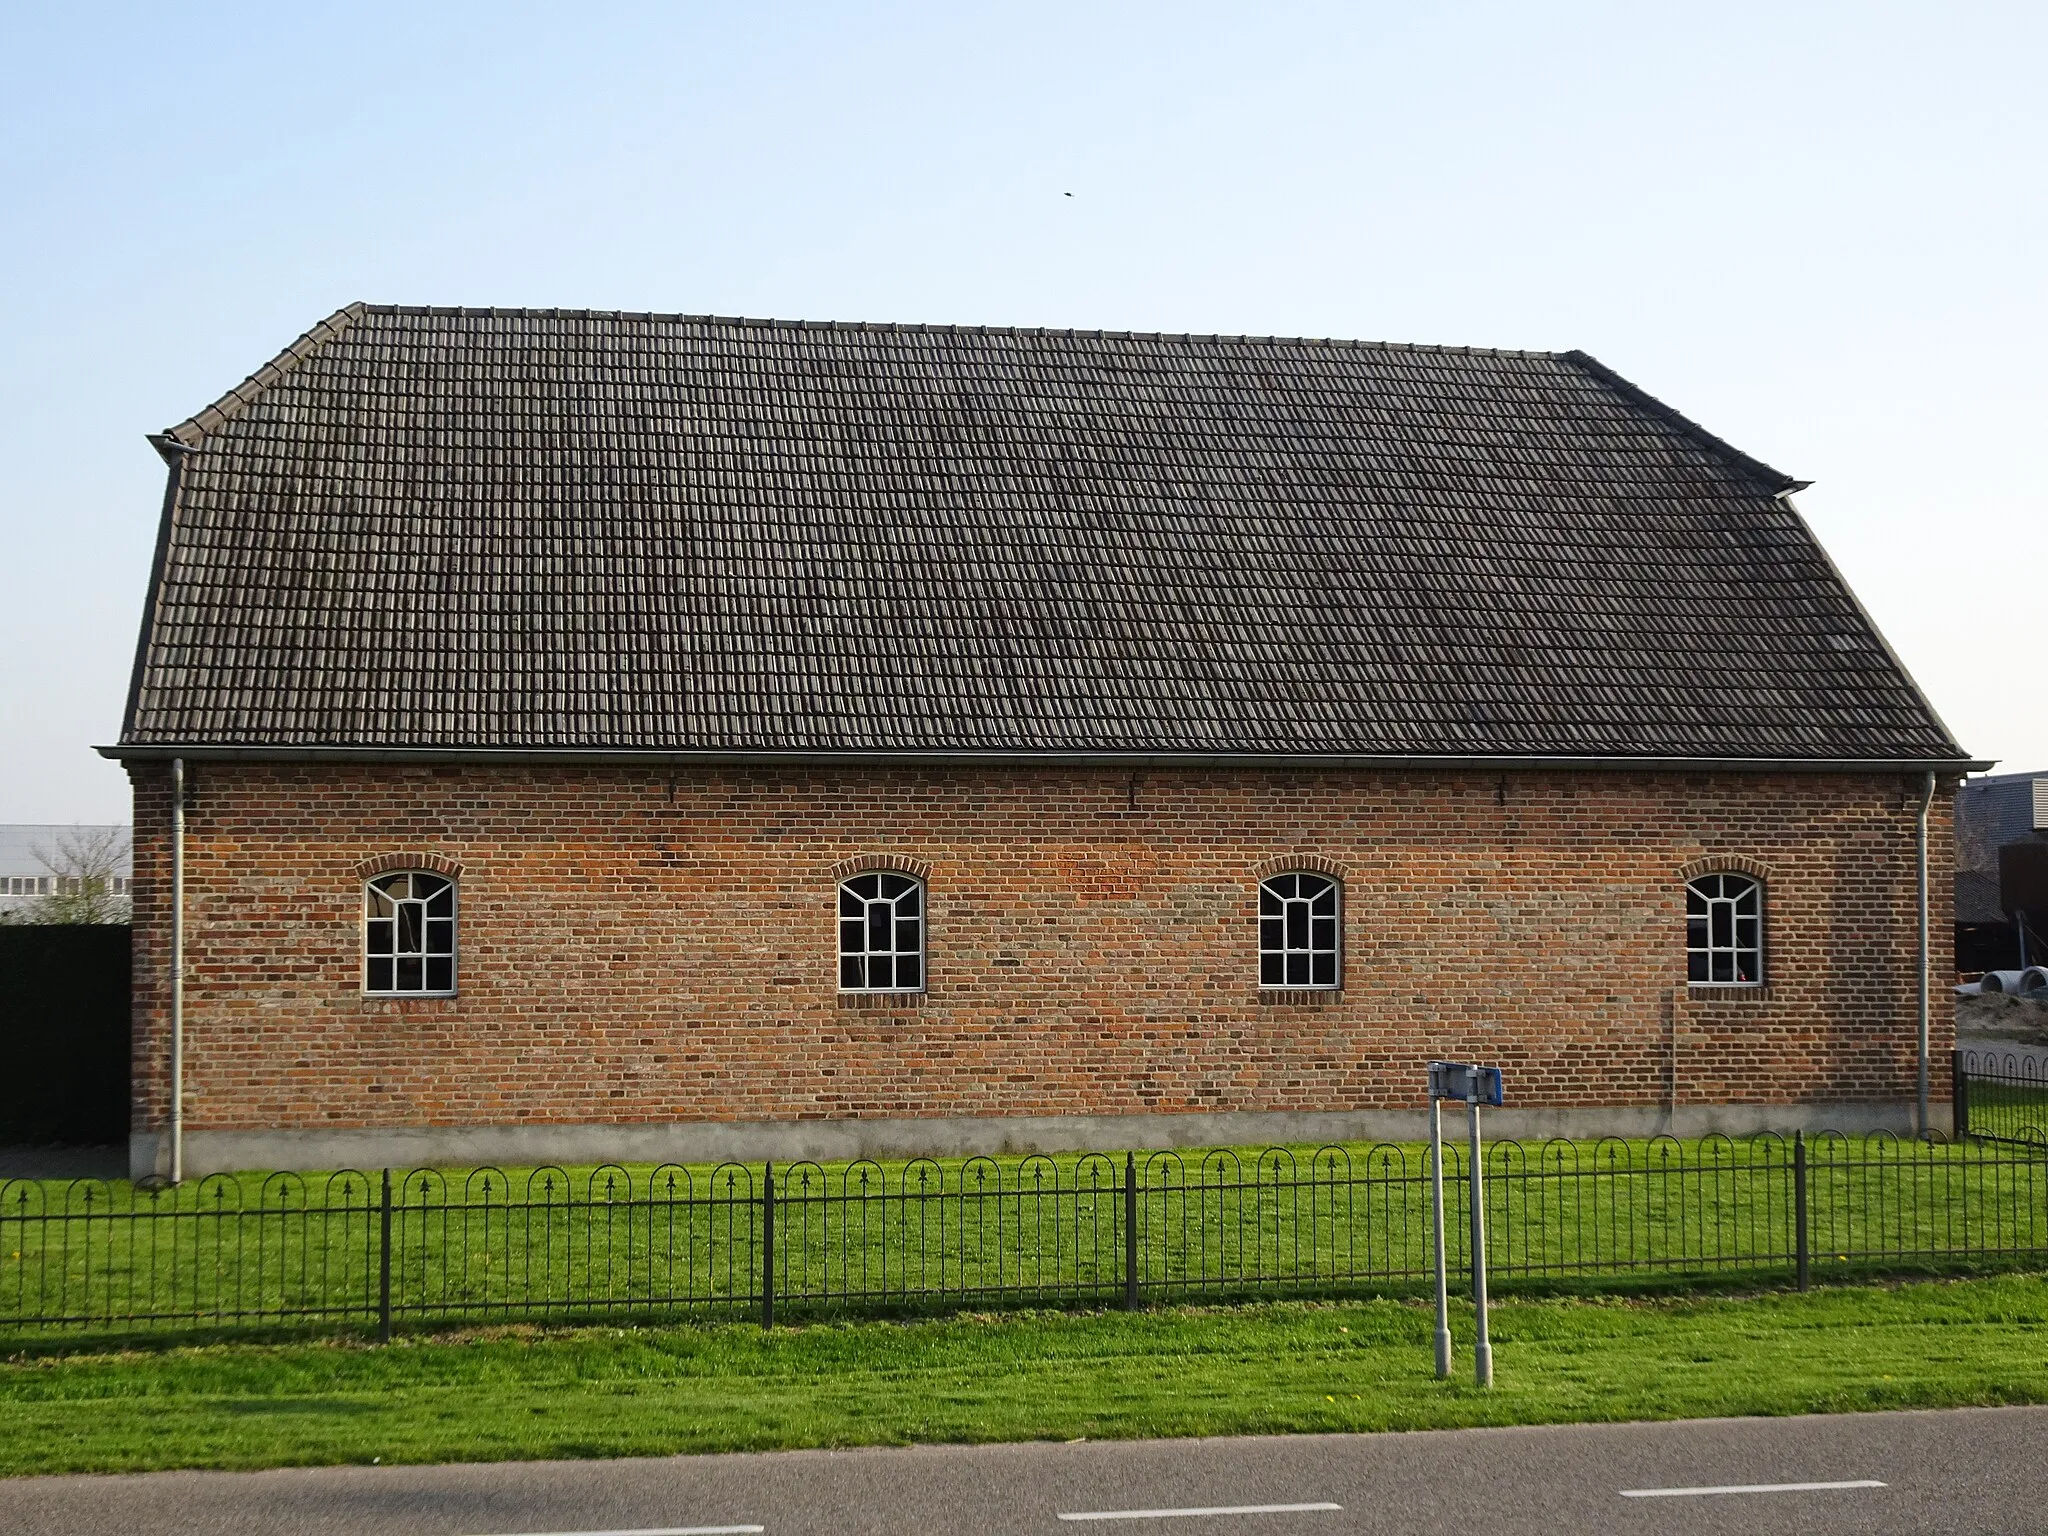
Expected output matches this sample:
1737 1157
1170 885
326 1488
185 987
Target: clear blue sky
1819 229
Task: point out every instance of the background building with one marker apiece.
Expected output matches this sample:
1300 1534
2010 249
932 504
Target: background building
2001 872
40 861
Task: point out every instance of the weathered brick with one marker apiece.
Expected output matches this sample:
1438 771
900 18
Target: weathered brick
644 947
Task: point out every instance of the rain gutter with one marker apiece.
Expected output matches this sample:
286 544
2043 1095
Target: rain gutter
797 758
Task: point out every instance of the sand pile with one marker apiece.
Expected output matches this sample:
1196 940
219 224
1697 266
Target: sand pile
1994 1016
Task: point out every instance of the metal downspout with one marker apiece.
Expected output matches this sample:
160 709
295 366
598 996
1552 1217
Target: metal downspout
1925 958
177 1168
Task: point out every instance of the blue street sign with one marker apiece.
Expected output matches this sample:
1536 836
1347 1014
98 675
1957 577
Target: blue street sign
1459 1079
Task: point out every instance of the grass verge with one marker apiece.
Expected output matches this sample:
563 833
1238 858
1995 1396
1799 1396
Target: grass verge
1271 1369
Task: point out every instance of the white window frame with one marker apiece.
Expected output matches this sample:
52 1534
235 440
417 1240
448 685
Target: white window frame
1289 901
864 955
425 955
1719 903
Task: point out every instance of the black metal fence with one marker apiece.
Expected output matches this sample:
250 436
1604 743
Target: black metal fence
382 1250
2001 1095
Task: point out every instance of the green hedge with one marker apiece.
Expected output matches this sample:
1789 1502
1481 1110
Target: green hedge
64 1032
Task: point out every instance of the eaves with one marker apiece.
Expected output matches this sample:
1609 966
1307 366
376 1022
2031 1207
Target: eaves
673 758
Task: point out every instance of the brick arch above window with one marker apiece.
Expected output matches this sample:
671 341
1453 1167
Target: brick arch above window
433 863
896 863
1727 864
1295 862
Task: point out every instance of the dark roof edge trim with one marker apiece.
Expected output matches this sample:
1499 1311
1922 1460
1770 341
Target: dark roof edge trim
642 757
1777 480
190 432
174 480
922 328
1856 604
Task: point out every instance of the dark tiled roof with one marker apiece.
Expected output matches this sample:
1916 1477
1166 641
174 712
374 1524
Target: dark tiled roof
572 530
1978 898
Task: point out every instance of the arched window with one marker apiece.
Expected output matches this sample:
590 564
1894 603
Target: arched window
409 934
1300 931
1724 931
881 934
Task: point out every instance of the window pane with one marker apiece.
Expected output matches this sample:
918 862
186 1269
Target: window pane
850 934
1745 932
1724 925
1745 969
891 886
879 915
1299 933
409 914
1724 967
1695 903
850 905
909 973
1746 902
850 972
1696 966
1696 932
907 904
862 885
881 971
906 935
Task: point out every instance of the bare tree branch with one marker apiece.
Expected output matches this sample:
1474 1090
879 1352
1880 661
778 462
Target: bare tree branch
85 862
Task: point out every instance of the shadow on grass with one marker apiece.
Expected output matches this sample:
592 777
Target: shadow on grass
54 1343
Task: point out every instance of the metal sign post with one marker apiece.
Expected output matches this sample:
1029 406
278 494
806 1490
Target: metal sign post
1482 1346
1436 1179
1475 1085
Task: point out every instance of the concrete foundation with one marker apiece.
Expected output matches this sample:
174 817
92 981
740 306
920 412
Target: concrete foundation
786 1141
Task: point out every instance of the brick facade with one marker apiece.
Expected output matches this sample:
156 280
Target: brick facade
642 947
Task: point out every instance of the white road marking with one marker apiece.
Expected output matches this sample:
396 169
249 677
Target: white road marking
666 1530
1217 1509
1695 1493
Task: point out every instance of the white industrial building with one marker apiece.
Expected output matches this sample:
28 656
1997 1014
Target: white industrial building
36 858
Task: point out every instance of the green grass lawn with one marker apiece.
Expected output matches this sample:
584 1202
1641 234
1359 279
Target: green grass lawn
2012 1109
1280 1368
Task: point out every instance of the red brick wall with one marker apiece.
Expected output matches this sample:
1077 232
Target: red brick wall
639 948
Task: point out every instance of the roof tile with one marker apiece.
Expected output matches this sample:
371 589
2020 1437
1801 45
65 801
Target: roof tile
463 528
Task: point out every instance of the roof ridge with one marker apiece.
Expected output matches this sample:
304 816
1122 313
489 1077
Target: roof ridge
515 312
1779 481
194 428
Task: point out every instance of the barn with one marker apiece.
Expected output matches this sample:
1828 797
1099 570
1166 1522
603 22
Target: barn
564 735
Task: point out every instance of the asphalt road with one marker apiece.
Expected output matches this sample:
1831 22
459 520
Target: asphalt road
1975 1470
